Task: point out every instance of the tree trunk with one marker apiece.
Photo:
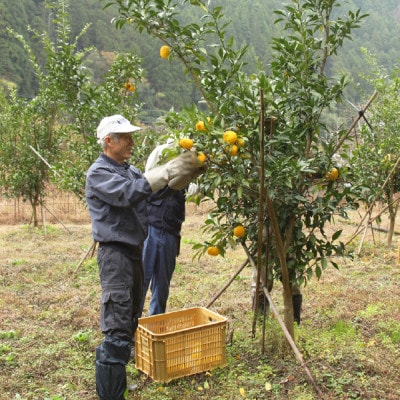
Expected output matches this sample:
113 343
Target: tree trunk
392 207
287 292
34 215
392 221
34 204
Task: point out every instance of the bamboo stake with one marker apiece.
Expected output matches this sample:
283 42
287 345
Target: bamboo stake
360 115
291 342
260 212
228 284
44 160
363 238
368 212
65 227
91 249
285 330
398 253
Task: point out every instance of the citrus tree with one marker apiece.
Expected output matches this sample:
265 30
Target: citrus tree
263 134
375 162
23 127
51 137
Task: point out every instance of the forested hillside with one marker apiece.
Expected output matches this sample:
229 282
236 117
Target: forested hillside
166 84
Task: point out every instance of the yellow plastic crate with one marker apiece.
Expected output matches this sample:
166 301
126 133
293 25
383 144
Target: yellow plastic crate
180 343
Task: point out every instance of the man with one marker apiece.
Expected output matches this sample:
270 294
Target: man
116 195
162 244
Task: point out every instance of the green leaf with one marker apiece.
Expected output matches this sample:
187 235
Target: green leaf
336 235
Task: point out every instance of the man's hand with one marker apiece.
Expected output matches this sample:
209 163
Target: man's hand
177 173
157 177
183 169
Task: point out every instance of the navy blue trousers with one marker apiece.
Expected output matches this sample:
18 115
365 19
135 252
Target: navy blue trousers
121 278
159 260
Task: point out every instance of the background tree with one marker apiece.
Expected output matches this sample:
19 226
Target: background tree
298 199
23 174
14 65
250 26
375 161
54 132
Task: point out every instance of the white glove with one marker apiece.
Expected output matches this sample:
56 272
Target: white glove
157 177
183 169
177 173
192 189
156 154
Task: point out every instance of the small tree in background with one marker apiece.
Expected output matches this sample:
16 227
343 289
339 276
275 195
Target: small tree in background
52 137
268 148
375 162
23 174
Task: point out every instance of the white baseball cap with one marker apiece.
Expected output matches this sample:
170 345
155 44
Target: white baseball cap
115 124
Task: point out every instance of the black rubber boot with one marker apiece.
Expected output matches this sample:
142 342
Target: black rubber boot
297 300
111 358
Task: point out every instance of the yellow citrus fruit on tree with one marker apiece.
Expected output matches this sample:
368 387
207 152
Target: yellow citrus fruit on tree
200 126
165 51
333 174
186 143
232 150
201 157
128 86
239 231
213 251
230 137
240 142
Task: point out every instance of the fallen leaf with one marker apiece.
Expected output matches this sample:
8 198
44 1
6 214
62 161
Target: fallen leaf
268 386
288 379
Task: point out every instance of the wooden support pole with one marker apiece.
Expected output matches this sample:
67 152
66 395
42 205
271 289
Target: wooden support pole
342 140
291 342
228 284
91 249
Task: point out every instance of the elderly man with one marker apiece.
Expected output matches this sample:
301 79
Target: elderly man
116 195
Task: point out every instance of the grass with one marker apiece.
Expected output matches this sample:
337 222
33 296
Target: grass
49 328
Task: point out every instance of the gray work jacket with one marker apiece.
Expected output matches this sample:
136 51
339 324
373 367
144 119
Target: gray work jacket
116 196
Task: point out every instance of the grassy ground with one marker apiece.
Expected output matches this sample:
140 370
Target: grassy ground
349 335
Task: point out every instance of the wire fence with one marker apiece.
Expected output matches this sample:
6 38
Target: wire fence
61 207
58 207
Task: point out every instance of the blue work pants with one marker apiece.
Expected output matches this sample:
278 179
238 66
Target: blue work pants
159 261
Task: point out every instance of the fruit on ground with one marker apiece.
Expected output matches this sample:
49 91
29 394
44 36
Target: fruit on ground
230 137
388 158
239 231
213 251
333 174
165 51
186 143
